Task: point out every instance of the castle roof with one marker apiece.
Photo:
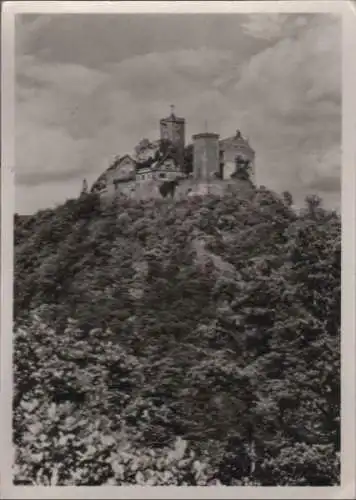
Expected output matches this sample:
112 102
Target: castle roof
207 135
98 184
172 117
236 140
118 160
145 165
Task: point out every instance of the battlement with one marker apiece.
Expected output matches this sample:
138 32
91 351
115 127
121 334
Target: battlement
205 135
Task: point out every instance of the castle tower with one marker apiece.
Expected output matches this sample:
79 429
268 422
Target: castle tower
84 187
172 129
206 156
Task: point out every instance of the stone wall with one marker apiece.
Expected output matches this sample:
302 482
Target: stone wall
149 189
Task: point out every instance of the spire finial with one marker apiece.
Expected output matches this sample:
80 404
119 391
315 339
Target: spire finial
172 109
84 186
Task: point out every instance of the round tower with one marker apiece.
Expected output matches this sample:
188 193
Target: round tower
172 129
206 156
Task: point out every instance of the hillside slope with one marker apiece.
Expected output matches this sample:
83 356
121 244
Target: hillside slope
187 342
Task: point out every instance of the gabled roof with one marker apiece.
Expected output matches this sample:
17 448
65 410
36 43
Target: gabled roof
115 164
172 117
126 156
118 160
236 139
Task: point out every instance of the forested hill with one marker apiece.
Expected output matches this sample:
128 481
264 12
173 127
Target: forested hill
178 342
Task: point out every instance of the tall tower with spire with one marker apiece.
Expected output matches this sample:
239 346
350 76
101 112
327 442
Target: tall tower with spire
172 129
84 187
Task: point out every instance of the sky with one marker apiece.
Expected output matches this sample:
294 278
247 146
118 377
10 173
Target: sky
90 86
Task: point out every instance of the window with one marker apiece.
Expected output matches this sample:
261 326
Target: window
162 175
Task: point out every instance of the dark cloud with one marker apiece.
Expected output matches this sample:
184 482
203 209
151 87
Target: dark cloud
116 37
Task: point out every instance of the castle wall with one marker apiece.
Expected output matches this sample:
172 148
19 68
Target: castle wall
193 187
149 189
127 188
113 190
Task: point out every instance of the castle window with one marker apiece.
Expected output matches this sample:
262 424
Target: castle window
162 175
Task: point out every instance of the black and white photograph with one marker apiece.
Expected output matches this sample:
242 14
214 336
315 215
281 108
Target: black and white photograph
177 247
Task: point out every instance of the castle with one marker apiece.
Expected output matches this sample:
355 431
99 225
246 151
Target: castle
170 167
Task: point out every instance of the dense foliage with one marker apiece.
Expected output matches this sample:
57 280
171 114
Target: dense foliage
178 342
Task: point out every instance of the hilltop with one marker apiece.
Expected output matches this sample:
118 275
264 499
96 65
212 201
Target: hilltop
178 342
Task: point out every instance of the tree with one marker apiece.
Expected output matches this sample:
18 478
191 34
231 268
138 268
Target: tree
313 204
242 169
288 198
213 326
188 159
168 188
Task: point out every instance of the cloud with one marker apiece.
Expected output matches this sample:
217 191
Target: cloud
84 116
73 78
114 38
326 172
26 29
47 100
290 103
72 117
